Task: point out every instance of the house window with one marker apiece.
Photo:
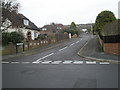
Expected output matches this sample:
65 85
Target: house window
35 34
59 28
44 29
26 22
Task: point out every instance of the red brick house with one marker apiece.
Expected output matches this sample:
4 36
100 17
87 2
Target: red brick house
52 29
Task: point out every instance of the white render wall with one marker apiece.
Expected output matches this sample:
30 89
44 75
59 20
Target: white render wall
25 31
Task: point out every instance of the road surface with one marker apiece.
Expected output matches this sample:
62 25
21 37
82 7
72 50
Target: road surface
59 67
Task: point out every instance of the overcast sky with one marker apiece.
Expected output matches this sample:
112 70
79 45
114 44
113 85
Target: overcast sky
43 12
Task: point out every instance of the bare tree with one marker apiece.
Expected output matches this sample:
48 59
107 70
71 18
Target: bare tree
9 8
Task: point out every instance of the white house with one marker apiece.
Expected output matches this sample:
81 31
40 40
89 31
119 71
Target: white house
24 25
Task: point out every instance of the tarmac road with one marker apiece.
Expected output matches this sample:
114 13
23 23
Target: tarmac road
59 67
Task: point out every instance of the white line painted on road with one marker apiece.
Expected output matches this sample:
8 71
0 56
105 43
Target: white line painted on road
39 60
5 62
90 62
67 62
56 62
25 62
72 44
78 62
36 62
63 48
15 62
77 42
104 63
46 62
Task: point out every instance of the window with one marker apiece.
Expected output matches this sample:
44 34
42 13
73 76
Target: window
44 29
26 22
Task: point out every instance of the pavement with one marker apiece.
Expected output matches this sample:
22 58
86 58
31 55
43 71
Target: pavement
92 50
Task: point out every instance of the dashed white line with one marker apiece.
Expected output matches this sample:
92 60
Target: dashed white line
56 62
46 62
104 63
15 62
63 48
67 62
5 62
36 62
25 62
77 42
72 44
90 62
78 62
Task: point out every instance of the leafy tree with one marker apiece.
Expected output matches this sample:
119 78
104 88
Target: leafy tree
103 18
13 37
16 37
6 38
70 31
73 26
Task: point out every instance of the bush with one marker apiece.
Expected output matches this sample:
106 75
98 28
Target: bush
13 37
41 37
16 37
6 38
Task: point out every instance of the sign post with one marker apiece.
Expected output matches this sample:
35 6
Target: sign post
19 44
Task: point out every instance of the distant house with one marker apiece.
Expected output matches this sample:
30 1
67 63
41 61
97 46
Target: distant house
110 36
52 29
19 23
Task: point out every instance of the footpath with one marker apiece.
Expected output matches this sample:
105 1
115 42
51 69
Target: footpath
92 50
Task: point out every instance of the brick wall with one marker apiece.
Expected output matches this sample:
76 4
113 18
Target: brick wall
112 48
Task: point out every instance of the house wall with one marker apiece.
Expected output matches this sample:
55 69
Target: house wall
112 48
25 31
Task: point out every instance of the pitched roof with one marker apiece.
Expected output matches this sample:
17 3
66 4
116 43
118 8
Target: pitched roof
31 24
54 26
17 20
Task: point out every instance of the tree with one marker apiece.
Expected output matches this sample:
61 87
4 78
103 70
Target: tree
13 37
103 18
6 38
9 9
16 37
73 26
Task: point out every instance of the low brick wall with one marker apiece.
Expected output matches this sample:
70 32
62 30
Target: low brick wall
112 48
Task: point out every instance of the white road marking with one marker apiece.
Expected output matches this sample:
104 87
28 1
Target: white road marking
72 44
5 62
78 62
36 62
104 63
25 62
77 42
63 48
67 62
90 62
46 62
15 62
39 60
56 62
